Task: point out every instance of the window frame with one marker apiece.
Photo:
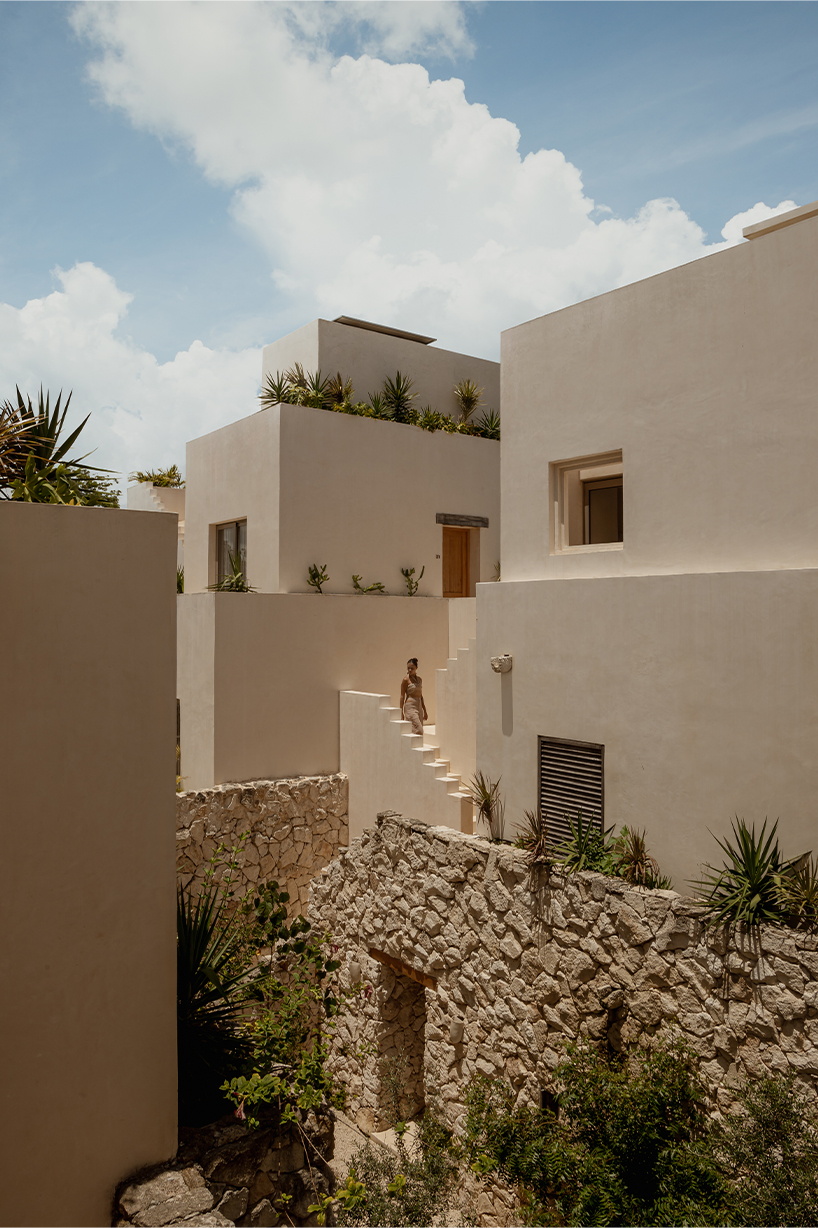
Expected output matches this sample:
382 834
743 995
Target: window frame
238 524
559 526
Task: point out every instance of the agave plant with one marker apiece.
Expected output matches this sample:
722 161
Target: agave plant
468 397
235 581
169 477
488 424
398 397
485 793
589 846
746 890
798 893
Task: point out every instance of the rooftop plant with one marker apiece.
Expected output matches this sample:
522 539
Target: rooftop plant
235 581
468 397
398 396
412 585
170 476
318 576
377 587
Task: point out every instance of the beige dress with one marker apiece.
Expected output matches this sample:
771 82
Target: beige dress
413 705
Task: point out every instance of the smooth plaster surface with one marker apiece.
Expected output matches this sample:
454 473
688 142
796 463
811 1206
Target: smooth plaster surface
703 689
705 378
357 494
368 358
260 673
88 962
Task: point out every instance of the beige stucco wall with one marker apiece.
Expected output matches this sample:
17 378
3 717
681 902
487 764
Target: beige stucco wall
358 494
368 358
705 377
88 964
259 675
145 497
703 689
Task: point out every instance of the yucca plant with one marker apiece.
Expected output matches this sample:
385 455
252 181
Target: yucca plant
488 424
798 893
378 406
485 793
210 999
468 396
633 862
170 477
533 837
275 390
589 846
398 397
746 890
339 391
307 388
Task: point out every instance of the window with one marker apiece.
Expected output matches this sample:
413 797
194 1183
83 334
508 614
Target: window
572 778
231 544
587 501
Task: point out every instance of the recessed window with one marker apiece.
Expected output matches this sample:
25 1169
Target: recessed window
231 547
587 500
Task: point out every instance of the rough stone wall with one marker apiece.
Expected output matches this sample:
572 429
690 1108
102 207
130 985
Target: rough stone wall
524 965
286 830
227 1174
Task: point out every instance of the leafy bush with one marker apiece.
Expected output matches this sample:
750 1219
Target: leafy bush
626 1146
589 847
411 1187
769 1151
170 477
747 890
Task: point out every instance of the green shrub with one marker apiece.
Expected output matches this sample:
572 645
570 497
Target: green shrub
627 1144
318 576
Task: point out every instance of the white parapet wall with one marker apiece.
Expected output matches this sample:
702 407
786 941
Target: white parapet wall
388 766
456 702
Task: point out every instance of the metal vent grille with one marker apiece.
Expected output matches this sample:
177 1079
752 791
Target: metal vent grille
571 778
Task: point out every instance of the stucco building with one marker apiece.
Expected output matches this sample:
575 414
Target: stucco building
660 554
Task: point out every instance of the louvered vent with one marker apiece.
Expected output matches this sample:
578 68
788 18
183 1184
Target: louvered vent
571 778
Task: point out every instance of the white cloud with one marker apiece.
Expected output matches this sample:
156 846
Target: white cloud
142 411
758 213
374 190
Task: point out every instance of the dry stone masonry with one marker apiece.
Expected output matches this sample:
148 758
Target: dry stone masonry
283 830
494 970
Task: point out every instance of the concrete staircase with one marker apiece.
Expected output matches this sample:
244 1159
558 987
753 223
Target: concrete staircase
391 768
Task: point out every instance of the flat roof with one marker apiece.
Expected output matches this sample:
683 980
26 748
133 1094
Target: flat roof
780 220
383 328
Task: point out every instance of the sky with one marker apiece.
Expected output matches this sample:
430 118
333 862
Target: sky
186 182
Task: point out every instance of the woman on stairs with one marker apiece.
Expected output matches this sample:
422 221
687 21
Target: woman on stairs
411 697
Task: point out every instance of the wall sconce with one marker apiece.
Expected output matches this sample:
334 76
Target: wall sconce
503 664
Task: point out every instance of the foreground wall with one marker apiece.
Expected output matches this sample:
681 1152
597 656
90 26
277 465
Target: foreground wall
282 830
88 962
476 967
260 673
703 690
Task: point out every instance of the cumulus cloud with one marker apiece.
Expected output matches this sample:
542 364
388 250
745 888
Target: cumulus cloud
143 411
374 190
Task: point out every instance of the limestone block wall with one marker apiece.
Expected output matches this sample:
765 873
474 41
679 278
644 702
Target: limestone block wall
286 830
513 967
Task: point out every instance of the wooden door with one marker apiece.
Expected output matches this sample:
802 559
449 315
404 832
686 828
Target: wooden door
455 562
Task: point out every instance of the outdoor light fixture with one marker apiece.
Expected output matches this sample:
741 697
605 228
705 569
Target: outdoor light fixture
502 665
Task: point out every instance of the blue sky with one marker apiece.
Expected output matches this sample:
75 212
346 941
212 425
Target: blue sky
222 176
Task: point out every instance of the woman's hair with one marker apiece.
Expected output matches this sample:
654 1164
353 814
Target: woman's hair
413 661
